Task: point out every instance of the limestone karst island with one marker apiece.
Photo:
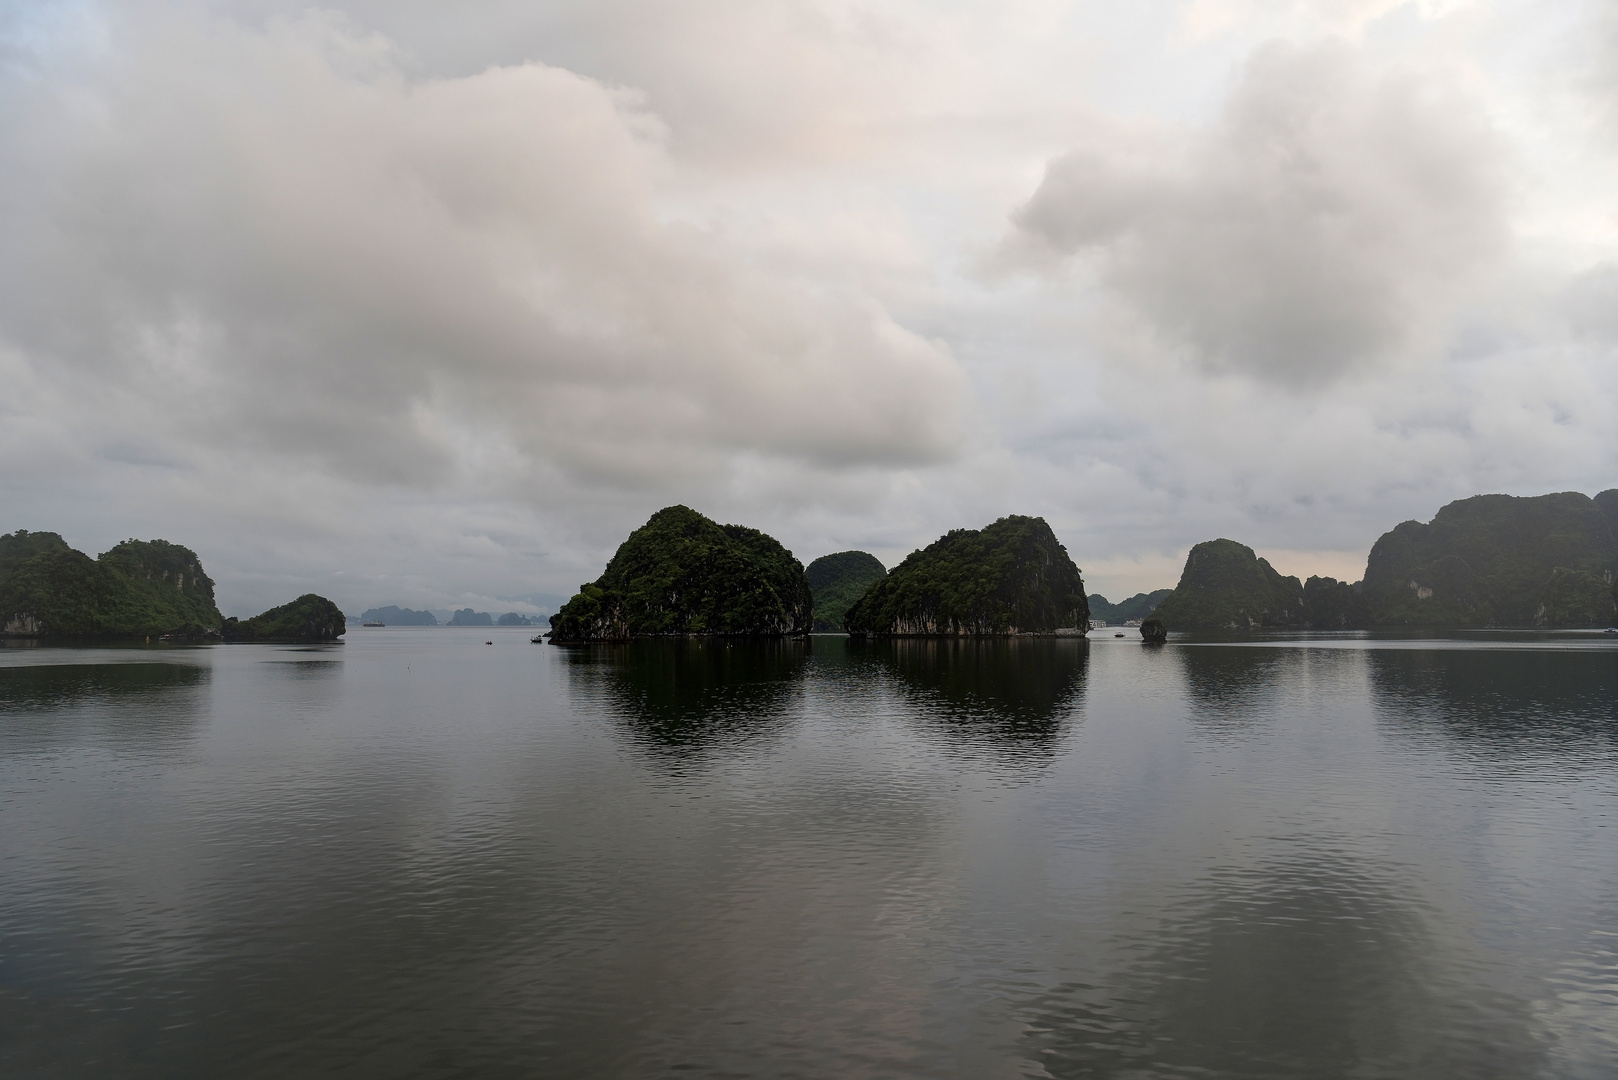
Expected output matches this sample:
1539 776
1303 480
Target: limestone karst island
149 589
1548 562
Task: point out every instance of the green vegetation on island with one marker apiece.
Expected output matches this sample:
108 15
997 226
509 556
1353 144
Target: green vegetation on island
1226 586
140 588
1011 577
308 618
1576 598
1489 561
837 582
1136 607
681 573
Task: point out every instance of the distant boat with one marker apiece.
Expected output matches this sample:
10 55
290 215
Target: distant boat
1117 635
538 639
375 624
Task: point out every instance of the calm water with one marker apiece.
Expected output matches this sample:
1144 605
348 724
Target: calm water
415 854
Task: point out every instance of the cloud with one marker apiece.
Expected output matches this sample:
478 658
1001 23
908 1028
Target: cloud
405 305
1327 219
278 241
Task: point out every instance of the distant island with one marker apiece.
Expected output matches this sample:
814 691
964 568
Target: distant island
1546 561
148 589
1490 561
397 616
837 582
1011 577
1124 611
684 574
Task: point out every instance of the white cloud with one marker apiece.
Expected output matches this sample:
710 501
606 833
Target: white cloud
279 241
1327 220
426 306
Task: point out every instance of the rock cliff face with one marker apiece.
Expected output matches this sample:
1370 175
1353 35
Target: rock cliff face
1011 577
683 574
1226 586
308 618
139 588
1576 599
1489 560
837 582
1607 503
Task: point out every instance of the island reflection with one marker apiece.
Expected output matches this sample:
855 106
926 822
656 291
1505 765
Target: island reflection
1007 692
1499 700
53 704
682 696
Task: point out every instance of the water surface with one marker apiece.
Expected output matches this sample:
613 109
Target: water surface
414 854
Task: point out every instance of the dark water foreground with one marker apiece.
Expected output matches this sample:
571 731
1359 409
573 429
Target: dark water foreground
418 855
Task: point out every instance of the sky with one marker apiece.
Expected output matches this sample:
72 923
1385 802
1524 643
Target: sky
422 304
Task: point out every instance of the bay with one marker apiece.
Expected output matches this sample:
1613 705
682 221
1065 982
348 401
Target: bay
417 854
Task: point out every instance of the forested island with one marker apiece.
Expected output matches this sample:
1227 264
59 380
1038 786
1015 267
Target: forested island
837 582
145 589
1011 577
1547 561
308 618
684 574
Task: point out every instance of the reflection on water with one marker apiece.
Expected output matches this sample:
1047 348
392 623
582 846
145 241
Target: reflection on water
56 685
55 705
1499 700
1310 969
683 696
1007 692
1232 682
439 857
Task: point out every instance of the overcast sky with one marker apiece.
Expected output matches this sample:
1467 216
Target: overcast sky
428 304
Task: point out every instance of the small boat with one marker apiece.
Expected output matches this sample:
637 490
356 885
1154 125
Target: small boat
1612 629
1117 635
538 639
374 624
